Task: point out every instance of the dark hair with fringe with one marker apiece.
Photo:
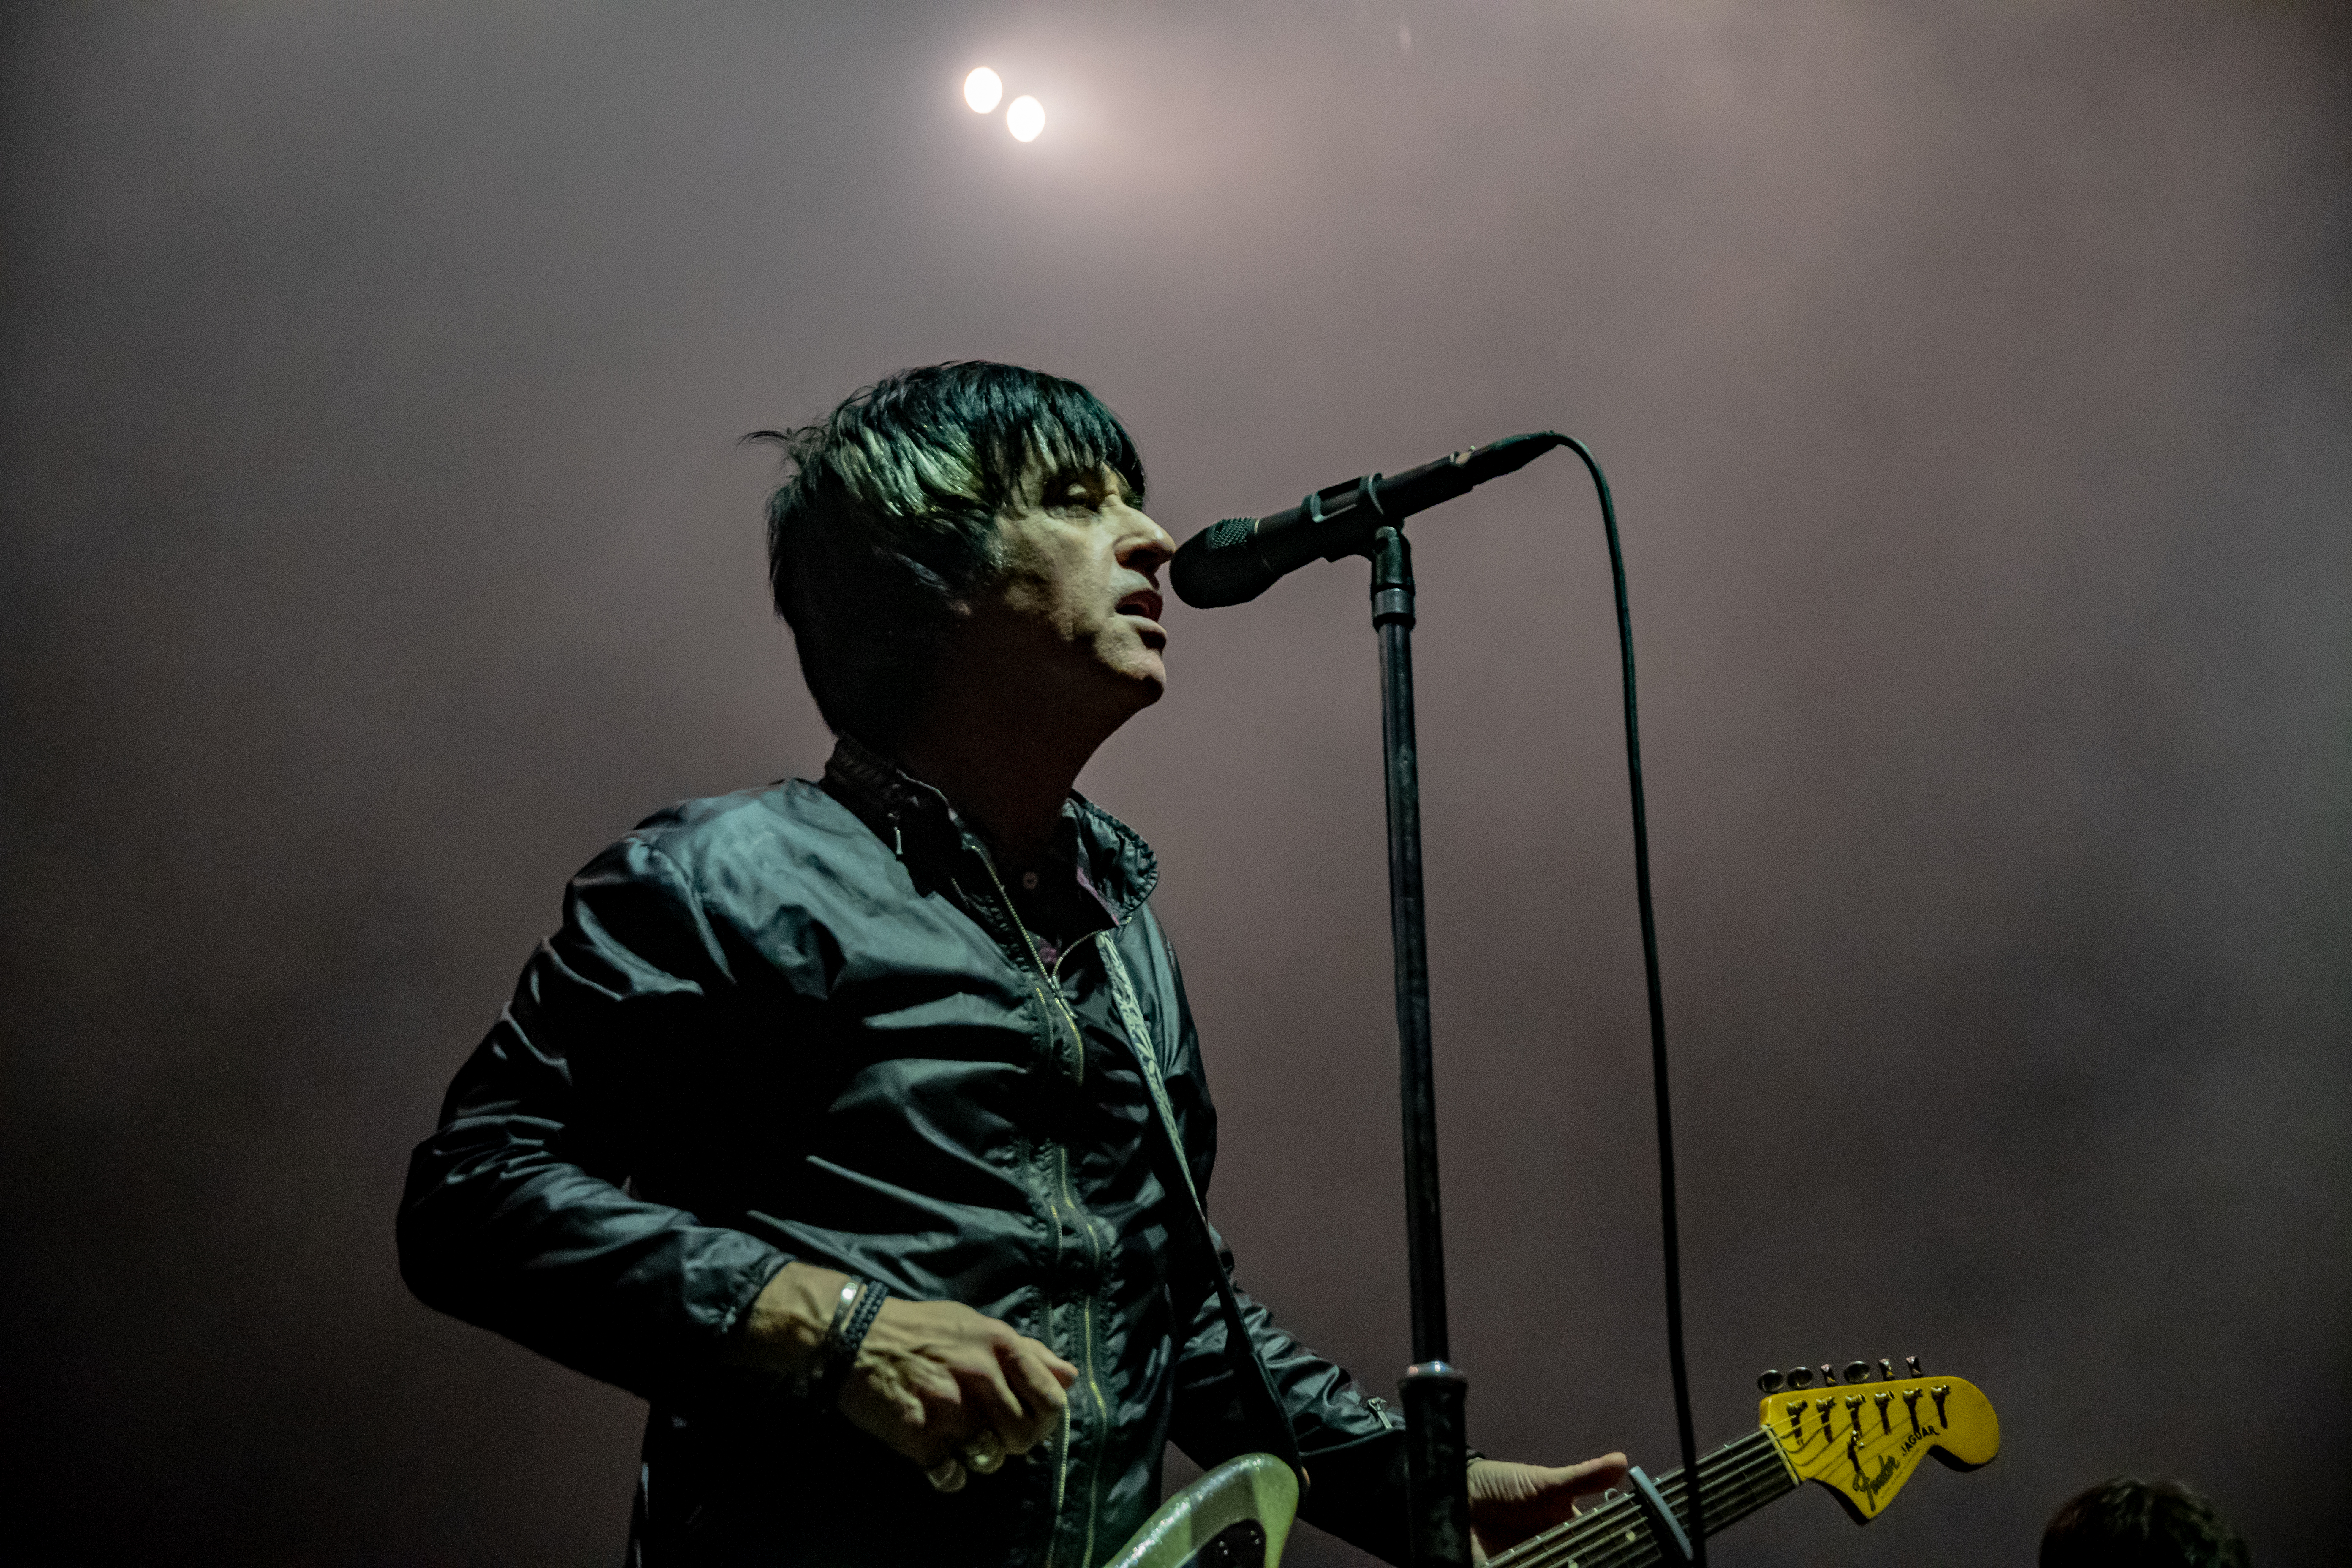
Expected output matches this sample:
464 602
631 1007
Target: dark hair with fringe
887 521
2131 1524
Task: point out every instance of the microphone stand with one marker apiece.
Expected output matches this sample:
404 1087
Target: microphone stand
1234 562
1434 1391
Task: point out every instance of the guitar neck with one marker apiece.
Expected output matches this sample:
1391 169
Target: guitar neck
1734 1481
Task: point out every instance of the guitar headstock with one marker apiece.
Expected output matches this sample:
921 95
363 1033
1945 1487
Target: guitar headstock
1863 1438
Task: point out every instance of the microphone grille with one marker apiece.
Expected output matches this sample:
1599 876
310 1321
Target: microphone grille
1226 532
1219 566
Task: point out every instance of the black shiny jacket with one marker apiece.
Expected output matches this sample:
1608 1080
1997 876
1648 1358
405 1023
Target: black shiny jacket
809 1022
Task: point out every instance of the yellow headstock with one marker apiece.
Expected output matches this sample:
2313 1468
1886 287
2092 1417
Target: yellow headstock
1863 1440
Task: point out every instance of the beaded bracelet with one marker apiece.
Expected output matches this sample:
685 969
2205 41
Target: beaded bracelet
821 1358
861 1319
861 1302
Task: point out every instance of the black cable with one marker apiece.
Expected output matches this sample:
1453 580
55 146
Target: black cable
1657 1015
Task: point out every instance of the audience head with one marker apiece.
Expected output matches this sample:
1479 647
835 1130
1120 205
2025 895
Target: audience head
2130 1523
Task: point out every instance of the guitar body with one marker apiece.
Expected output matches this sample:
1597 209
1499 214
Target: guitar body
1236 1516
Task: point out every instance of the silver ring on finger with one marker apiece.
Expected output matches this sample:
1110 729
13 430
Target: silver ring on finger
984 1454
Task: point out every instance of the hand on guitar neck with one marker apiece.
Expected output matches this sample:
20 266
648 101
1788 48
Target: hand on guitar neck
1510 1503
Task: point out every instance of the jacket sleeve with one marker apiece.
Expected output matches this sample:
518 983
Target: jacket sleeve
517 1216
1353 1446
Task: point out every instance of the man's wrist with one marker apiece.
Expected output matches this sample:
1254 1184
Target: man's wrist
860 1302
787 1323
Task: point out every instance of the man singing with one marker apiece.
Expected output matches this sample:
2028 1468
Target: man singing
860 1125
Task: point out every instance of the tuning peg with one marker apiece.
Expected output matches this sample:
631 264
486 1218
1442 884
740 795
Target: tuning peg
1857 1371
1800 1377
1828 1374
1886 1369
1769 1380
1913 1363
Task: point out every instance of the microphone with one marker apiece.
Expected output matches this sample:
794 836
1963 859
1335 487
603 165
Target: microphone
1234 561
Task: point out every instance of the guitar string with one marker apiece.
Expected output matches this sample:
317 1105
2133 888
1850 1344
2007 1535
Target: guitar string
1601 1541
1747 1465
1597 1540
1827 1440
1542 1549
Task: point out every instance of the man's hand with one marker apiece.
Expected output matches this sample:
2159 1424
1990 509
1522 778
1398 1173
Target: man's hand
932 1376
1510 1503
933 1380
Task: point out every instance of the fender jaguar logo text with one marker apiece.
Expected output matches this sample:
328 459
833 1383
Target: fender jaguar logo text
1871 1486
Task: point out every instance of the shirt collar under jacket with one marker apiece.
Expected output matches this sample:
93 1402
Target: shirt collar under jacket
1109 859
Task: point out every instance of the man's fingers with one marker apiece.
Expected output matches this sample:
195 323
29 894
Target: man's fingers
1590 1475
894 1415
932 1383
1039 1388
955 1391
998 1407
1510 1503
1063 1371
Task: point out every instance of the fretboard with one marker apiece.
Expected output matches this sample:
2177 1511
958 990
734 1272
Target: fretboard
1734 1481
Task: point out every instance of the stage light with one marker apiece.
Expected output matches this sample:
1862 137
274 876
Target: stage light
982 89
1026 119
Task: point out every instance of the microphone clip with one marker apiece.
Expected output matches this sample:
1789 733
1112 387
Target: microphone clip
1346 526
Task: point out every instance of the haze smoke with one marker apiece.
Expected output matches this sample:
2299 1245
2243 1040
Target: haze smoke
1975 383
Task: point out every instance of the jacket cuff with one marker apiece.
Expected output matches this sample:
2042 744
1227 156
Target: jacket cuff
753 1276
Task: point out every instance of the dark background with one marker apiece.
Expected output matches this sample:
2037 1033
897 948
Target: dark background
1976 377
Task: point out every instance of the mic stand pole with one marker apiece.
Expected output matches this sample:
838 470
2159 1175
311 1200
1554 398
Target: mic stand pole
1434 1391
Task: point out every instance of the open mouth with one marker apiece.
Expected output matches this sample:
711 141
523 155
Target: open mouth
1145 604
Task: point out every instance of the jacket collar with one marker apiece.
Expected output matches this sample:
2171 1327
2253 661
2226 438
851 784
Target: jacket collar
1110 859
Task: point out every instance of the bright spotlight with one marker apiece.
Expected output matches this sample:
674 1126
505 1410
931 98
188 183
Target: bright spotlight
982 89
1026 119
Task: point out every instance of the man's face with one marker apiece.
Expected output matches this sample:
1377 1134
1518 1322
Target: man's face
1075 612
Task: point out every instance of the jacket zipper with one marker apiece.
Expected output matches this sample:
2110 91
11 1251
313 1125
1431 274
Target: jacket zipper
1085 1229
